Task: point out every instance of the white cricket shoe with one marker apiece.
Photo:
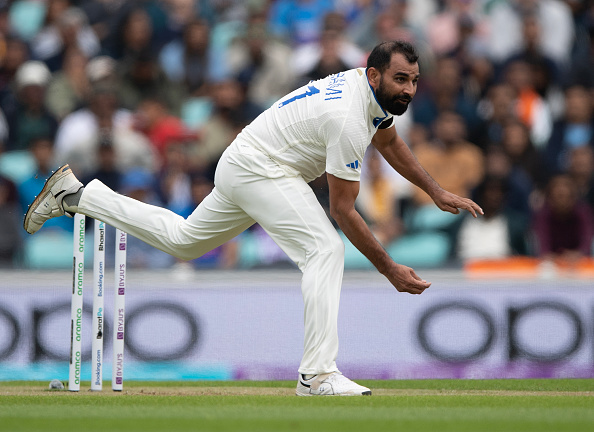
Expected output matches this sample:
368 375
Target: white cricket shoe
330 384
48 204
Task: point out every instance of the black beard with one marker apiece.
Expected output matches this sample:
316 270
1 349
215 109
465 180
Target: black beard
394 105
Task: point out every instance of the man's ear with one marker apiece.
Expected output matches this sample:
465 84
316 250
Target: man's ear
373 76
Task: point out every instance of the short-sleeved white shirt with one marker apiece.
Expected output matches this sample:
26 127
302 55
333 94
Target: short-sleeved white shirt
325 125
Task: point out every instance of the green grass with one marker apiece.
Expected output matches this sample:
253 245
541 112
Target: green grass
416 406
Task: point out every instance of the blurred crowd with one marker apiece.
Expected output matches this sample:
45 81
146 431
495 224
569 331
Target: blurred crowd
145 95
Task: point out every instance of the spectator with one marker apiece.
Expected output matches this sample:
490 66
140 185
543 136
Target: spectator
231 113
545 72
329 60
262 65
174 183
15 54
81 133
563 226
30 118
377 200
479 78
10 223
582 63
445 94
505 21
69 87
581 170
525 160
299 21
460 26
142 77
106 169
456 164
134 35
162 128
575 129
495 110
530 107
190 61
331 53
500 233
65 28
104 18
139 184
360 16
518 186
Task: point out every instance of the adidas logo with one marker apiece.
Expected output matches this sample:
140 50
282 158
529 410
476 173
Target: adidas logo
354 165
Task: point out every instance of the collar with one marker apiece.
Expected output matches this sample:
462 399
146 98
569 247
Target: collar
376 112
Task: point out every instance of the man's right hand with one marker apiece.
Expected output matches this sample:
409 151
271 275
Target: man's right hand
405 279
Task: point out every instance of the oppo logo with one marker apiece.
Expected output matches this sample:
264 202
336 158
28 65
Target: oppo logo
41 329
541 331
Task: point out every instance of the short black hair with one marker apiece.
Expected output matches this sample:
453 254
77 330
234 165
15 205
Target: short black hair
382 54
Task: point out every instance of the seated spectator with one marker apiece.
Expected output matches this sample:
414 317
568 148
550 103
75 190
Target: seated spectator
133 34
106 169
104 17
65 29
563 227
575 129
141 77
298 21
582 64
331 53
230 114
139 184
43 153
456 164
30 118
174 183
519 186
446 93
361 17
378 21
262 64
530 107
581 170
377 200
329 61
81 133
499 233
69 87
15 54
460 23
10 223
524 158
189 61
154 120
495 110
505 21
546 74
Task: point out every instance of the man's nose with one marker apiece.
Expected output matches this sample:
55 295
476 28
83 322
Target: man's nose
409 89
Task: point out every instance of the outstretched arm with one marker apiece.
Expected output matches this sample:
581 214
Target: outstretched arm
396 152
342 208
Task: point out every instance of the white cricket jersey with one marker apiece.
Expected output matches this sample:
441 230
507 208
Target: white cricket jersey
325 125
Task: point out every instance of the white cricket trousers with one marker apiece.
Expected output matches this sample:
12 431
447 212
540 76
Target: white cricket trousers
285 207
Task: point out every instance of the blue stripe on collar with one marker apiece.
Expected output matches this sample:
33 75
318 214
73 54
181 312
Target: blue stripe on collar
377 120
